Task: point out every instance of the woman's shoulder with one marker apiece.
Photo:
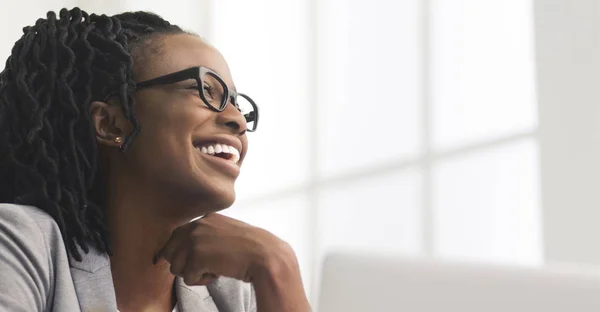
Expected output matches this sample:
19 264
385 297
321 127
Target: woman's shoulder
30 244
23 211
30 232
28 222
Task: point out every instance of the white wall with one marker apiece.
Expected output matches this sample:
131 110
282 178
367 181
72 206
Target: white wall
14 15
568 69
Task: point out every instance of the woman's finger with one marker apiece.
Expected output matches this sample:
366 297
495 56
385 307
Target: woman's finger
196 279
178 260
166 252
206 279
195 268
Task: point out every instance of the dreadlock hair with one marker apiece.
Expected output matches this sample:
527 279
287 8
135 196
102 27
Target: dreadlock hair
48 146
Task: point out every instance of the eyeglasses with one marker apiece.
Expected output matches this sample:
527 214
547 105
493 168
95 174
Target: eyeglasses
213 92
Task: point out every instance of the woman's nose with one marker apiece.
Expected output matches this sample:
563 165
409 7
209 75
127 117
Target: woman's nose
233 119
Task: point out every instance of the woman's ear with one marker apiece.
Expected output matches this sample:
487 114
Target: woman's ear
110 123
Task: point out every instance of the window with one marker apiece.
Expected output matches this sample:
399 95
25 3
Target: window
404 127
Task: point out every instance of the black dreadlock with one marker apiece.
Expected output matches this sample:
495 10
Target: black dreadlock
48 147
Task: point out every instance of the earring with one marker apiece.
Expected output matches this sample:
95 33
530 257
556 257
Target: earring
119 140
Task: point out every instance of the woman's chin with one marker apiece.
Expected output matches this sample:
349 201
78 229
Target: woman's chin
203 206
208 198
218 201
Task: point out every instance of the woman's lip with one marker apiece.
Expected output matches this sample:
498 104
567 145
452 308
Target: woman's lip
223 164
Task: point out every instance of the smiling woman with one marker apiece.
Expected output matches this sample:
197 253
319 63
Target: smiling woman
115 132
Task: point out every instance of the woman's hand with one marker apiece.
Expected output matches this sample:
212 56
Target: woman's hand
216 245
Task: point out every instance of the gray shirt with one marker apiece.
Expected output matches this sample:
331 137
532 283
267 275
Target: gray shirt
35 274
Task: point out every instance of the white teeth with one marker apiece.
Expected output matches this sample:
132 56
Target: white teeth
221 148
235 155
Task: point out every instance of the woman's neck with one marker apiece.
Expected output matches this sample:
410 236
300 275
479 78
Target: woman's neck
137 233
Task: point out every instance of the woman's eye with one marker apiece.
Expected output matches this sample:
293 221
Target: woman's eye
192 87
208 90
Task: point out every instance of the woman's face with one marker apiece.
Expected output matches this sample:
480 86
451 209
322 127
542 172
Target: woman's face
175 124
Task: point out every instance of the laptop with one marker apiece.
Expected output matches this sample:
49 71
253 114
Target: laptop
357 283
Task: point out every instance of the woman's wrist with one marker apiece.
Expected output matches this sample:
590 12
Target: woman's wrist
278 284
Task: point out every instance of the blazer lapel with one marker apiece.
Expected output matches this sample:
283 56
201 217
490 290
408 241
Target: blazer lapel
193 298
93 282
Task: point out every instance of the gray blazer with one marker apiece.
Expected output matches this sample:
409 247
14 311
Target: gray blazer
35 273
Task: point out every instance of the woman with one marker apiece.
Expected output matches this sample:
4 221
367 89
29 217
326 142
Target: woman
115 132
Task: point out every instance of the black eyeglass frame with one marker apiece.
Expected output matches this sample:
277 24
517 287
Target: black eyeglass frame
197 73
